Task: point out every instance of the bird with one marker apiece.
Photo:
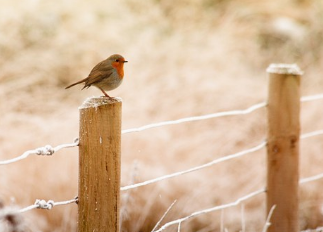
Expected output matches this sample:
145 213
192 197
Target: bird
106 75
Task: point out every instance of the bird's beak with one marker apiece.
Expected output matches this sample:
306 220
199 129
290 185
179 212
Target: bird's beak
125 61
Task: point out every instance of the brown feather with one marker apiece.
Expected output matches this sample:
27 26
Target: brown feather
101 70
97 76
76 83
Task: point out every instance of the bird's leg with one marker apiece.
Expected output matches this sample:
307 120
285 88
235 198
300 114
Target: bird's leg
105 94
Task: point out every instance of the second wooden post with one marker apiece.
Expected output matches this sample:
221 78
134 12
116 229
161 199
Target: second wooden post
283 147
99 165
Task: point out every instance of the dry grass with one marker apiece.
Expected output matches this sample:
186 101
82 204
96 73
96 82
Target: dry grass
188 58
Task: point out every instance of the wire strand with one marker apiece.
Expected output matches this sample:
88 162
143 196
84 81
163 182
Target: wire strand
222 159
42 204
216 161
311 134
312 178
197 118
312 97
214 115
197 213
47 150
238 201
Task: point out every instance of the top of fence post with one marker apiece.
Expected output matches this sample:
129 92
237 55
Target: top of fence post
98 101
291 69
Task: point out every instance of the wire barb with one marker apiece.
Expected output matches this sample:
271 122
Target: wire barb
47 150
42 204
44 151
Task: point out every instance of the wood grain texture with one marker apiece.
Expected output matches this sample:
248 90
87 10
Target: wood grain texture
283 150
99 165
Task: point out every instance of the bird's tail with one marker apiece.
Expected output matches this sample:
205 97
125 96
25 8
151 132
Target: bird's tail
76 83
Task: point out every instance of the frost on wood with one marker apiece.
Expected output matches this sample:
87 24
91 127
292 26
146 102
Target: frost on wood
291 69
99 101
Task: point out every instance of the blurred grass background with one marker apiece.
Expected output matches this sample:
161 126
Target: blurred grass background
185 58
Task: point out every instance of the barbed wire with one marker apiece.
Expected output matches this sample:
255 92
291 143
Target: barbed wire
216 161
197 118
238 201
197 213
214 115
45 151
42 204
234 203
311 134
312 178
49 150
312 97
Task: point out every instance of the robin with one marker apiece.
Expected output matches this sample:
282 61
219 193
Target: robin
106 75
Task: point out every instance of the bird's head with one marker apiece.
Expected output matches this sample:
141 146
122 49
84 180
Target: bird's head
117 61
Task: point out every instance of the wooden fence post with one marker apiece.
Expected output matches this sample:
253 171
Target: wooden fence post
99 165
283 146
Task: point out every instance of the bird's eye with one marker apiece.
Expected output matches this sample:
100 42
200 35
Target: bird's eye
117 60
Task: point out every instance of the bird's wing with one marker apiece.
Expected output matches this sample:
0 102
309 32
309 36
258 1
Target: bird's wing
99 72
99 67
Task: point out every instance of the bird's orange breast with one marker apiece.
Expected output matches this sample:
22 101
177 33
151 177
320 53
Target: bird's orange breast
119 67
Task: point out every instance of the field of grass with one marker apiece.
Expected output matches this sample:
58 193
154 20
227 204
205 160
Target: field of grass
185 58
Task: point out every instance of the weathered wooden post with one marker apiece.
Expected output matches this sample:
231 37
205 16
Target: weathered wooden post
99 165
283 146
